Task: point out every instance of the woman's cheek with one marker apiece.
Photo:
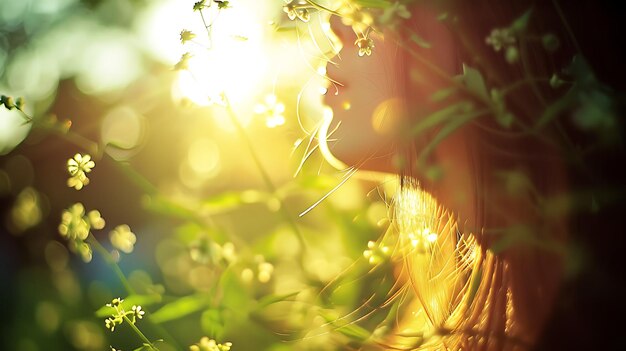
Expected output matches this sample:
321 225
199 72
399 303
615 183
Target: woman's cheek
376 99
364 103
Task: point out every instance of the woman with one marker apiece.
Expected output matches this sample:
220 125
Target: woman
412 100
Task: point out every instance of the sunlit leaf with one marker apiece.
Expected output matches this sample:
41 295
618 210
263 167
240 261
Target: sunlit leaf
355 332
381 4
160 204
236 295
351 330
270 299
180 308
212 323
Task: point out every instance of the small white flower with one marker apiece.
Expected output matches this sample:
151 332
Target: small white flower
273 111
78 167
365 44
123 239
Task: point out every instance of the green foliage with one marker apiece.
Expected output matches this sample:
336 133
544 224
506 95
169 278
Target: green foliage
180 308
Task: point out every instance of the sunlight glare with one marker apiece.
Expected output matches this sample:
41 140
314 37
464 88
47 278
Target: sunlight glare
234 60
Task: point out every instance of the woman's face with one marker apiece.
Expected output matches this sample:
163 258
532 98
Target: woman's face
379 98
362 87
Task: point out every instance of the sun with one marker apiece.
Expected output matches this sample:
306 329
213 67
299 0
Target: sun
229 57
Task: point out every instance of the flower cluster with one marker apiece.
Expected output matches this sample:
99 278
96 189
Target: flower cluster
363 20
206 251
78 167
10 103
186 35
123 239
75 227
207 344
295 9
500 38
264 270
121 315
26 212
353 15
504 38
201 5
222 4
273 111
365 44
376 252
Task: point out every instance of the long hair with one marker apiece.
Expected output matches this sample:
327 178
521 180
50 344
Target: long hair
488 278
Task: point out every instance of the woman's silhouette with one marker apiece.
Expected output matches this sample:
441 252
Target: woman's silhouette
419 106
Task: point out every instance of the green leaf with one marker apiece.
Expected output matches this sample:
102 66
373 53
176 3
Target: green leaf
236 295
180 308
474 81
118 146
442 94
449 128
380 4
223 200
354 332
212 323
556 108
521 23
162 205
439 117
351 330
270 299
505 119
550 42
420 41
317 182
138 300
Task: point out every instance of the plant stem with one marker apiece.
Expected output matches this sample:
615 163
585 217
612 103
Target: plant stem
141 335
266 178
111 262
129 289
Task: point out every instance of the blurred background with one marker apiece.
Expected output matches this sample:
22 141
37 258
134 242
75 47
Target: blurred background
194 180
